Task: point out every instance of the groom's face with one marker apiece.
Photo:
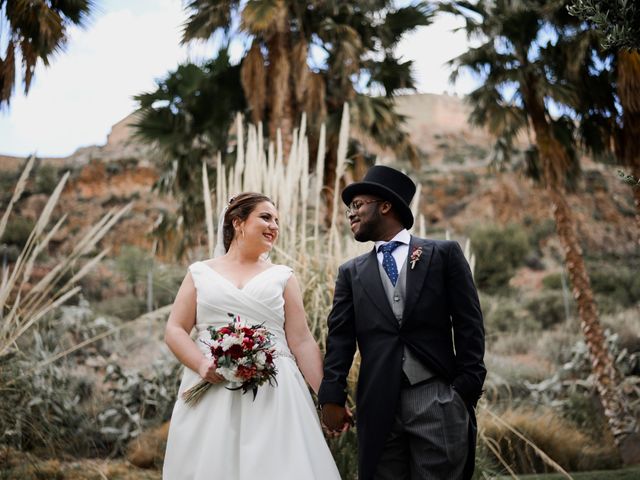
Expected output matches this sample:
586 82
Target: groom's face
365 221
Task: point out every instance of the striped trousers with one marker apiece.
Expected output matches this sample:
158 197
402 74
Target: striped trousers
429 437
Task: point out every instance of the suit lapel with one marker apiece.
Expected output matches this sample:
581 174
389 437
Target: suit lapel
368 274
417 275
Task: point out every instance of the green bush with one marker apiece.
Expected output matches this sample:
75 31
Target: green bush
539 231
553 281
46 179
499 251
138 401
7 186
49 408
133 263
126 307
166 282
17 231
507 315
42 409
618 283
585 411
548 308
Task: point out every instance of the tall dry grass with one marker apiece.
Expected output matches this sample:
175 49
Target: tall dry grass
313 250
537 441
24 303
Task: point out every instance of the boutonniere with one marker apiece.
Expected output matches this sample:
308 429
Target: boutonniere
415 256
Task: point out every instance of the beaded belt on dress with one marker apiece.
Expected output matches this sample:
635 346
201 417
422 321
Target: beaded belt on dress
283 353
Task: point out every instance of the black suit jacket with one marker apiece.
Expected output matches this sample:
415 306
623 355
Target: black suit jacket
442 325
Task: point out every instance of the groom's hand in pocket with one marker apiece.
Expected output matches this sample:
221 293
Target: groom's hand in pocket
336 418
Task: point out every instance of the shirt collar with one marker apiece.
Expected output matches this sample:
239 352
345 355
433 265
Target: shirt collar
402 236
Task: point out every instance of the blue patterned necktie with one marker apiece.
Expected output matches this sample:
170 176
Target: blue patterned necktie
388 262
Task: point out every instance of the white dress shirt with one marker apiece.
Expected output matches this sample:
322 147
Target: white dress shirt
401 252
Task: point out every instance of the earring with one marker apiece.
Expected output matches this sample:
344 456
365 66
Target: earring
242 232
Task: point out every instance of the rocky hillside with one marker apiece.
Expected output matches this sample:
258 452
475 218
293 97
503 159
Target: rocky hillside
459 188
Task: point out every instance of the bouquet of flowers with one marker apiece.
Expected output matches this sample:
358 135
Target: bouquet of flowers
244 356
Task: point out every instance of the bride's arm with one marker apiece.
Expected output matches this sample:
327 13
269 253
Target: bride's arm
177 333
301 342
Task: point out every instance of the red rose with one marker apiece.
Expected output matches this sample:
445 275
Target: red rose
217 352
235 351
246 372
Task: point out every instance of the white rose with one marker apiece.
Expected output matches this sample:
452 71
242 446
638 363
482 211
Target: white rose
261 359
228 374
229 340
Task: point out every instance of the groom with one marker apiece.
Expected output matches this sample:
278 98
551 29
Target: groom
412 309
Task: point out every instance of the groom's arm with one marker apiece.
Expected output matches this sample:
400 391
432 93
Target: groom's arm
341 343
468 328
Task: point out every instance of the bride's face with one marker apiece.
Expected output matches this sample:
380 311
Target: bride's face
261 226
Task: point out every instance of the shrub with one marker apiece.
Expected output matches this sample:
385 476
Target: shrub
556 345
46 179
17 231
553 281
540 231
619 282
585 412
133 263
558 438
548 308
499 250
166 282
126 307
42 409
138 401
507 315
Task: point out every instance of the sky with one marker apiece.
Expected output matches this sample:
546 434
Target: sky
126 47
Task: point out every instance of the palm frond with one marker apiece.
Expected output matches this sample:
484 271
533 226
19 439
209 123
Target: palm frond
207 16
263 16
404 20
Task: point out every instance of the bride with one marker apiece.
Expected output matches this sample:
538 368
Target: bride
229 435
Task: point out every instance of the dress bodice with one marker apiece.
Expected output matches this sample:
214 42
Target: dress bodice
259 301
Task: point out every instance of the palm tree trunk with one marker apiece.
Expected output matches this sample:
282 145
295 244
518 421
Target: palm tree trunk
280 100
621 422
554 159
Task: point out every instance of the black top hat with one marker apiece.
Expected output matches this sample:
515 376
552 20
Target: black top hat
389 184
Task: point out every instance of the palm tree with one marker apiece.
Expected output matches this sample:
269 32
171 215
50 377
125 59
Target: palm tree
273 84
523 44
359 40
350 35
188 118
37 30
267 23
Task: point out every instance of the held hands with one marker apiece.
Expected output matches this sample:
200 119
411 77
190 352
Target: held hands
207 370
336 418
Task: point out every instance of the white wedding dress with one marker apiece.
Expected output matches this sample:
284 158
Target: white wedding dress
229 435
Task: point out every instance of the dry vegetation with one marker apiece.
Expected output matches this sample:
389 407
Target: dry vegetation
97 372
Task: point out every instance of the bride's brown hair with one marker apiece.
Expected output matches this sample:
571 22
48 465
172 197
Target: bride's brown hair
240 207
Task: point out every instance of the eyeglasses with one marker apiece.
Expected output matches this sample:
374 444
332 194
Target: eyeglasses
357 205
